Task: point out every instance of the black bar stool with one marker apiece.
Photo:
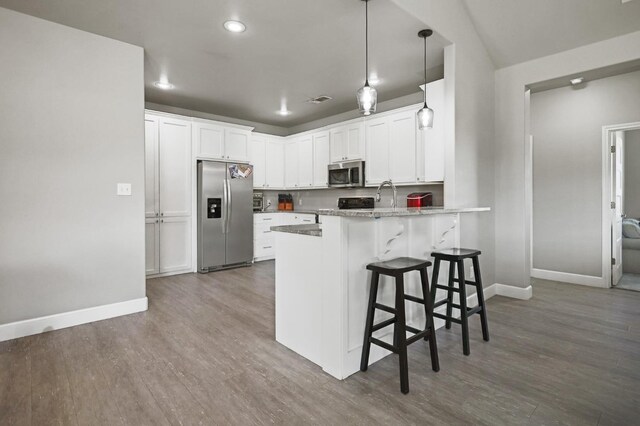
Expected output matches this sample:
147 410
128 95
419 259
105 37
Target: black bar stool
455 257
396 268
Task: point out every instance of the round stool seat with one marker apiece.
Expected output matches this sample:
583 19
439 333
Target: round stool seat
456 253
399 265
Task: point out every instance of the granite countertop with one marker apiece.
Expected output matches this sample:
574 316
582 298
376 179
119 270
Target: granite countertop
303 211
400 211
313 230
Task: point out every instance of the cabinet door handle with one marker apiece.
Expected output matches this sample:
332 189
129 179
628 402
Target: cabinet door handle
161 220
267 247
156 214
161 214
156 220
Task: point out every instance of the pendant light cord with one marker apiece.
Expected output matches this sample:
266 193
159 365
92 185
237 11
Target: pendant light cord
366 41
425 72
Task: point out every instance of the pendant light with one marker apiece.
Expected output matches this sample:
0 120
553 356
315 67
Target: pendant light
425 115
367 95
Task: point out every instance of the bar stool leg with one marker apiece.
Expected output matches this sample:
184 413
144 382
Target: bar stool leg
401 334
464 319
480 293
447 322
428 310
366 345
434 280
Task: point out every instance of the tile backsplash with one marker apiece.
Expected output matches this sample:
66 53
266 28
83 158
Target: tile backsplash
328 198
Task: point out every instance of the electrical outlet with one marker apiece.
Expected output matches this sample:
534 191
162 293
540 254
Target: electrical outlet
124 189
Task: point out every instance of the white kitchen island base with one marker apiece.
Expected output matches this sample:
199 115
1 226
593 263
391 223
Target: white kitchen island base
322 285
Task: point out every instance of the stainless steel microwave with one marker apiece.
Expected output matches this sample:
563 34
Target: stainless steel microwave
349 174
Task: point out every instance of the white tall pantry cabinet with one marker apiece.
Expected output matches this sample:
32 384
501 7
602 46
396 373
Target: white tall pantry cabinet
168 191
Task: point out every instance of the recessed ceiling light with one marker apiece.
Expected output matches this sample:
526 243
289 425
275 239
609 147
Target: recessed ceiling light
284 112
235 26
164 85
578 80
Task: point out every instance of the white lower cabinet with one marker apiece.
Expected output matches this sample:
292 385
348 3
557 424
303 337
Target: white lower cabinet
264 245
175 244
152 245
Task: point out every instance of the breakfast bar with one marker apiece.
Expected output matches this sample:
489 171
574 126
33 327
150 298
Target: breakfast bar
322 284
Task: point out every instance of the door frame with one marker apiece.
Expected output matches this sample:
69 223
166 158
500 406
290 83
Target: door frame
607 179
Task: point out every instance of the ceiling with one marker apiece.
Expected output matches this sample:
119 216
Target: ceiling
515 31
291 51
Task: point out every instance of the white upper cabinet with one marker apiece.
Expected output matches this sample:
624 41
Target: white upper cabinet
215 141
257 158
236 144
274 158
402 147
151 189
175 166
431 142
305 162
377 158
209 140
291 152
321 159
267 158
347 142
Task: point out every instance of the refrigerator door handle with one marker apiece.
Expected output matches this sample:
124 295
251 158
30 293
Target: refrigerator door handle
225 198
228 222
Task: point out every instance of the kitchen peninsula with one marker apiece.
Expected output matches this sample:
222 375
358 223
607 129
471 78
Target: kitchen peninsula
322 285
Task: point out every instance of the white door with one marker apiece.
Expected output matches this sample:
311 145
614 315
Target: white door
209 140
175 167
151 201
377 160
152 245
617 193
305 162
257 159
175 244
321 159
338 144
236 144
402 147
274 159
291 166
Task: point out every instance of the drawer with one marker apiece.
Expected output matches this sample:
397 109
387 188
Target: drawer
297 218
264 248
271 218
262 230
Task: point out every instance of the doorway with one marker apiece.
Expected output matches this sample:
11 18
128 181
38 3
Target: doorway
622 148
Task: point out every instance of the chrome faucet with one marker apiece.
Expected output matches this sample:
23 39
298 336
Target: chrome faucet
395 192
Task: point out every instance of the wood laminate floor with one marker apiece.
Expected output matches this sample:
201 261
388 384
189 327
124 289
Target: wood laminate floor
205 353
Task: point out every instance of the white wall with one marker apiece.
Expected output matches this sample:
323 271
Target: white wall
71 120
632 173
566 125
471 77
511 235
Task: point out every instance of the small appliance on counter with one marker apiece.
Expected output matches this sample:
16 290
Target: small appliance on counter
420 199
351 203
258 201
285 202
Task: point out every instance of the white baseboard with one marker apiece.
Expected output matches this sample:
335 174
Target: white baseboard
566 277
29 327
523 293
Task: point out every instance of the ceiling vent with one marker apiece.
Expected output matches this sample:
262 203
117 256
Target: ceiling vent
319 99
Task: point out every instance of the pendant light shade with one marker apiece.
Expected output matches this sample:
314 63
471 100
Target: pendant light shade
425 115
367 96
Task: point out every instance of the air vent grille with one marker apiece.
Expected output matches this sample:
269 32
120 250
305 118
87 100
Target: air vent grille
319 99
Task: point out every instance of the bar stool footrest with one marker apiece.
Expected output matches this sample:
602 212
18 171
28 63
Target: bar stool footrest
383 324
385 308
414 299
444 317
444 287
383 345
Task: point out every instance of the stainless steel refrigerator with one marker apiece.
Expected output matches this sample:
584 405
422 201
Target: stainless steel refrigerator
225 215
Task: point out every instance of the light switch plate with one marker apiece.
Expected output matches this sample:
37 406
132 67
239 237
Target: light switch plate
124 189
